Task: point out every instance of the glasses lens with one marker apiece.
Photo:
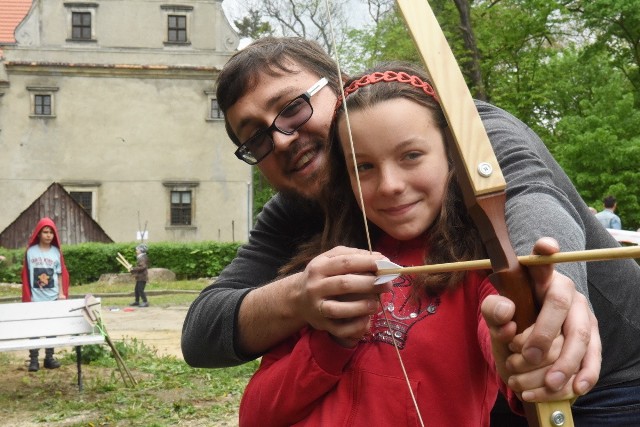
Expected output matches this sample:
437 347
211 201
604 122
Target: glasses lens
256 148
294 115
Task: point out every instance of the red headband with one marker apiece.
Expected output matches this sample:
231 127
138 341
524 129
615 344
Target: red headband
388 76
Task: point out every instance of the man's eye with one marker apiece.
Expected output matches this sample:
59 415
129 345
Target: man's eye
292 109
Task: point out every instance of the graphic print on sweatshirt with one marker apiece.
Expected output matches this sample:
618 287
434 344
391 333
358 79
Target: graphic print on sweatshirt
403 312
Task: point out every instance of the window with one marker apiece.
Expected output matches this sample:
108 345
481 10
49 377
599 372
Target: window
177 29
181 197
181 207
81 18
177 20
213 111
216 112
86 194
42 105
81 25
84 199
42 101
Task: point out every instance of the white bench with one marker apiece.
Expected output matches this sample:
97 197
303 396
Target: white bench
50 324
624 236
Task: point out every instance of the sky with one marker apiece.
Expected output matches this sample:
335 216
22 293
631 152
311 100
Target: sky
237 9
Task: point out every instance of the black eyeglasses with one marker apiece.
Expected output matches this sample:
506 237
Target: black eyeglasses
289 119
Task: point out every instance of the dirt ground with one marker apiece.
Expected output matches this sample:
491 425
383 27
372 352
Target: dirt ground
157 327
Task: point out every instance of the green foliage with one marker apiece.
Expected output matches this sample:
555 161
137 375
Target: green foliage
11 265
94 352
569 69
87 261
102 354
253 26
388 40
192 260
262 192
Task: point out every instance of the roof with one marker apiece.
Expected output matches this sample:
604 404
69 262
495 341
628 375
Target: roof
12 12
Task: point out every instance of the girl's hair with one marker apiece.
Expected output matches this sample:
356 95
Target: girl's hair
273 56
452 236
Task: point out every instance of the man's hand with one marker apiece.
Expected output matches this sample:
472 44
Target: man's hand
564 311
336 293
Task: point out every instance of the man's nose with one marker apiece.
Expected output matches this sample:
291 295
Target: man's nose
282 141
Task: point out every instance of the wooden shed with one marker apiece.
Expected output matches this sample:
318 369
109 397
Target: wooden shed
74 224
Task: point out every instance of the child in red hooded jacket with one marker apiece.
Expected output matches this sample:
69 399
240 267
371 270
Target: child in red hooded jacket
44 277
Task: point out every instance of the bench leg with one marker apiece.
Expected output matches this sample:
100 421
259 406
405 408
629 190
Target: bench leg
79 363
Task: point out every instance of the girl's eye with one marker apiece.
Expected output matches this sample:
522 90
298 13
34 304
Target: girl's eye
413 155
362 167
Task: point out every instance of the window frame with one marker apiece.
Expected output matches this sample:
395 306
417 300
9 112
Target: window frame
211 98
169 11
84 8
42 91
85 187
181 187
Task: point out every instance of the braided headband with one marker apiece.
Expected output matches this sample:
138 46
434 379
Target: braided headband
388 76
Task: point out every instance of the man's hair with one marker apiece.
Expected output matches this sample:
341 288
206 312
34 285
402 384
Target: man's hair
609 202
272 56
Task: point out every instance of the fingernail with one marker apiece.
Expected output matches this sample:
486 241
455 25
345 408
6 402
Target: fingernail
528 396
582 387
502 310
533 355
556 380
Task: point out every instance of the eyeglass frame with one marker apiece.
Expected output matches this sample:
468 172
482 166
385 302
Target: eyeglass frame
267 133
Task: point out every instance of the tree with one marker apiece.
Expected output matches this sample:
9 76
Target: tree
615 25
307 18
253 26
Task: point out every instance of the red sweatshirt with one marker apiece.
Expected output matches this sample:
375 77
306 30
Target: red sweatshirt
309 380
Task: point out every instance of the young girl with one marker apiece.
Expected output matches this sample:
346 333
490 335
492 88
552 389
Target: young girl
416 216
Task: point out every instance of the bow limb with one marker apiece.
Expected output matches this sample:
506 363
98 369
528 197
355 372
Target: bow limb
481 180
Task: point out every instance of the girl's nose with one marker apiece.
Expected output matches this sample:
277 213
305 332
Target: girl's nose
391 182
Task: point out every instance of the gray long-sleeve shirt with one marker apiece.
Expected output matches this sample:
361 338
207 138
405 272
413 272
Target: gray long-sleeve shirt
541 201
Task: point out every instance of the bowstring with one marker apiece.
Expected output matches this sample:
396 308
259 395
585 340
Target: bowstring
362 208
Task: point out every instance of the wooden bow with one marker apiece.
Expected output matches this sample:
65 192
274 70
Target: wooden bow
481 181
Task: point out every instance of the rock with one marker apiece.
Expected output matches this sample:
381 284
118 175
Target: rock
155 275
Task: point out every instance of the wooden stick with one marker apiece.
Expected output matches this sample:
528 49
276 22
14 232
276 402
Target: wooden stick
122 260
528 260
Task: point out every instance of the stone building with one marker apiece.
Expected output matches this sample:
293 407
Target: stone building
114 100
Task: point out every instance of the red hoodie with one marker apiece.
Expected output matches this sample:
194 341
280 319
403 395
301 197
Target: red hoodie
34 240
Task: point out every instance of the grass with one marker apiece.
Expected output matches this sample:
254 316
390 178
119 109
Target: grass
168 393
163 293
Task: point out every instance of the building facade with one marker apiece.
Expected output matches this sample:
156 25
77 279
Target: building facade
114 100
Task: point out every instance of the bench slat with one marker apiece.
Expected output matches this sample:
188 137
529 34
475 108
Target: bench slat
41 310
45 319
62 341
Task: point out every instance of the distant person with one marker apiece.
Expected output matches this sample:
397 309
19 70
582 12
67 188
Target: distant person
593 210
141 271
44 278
607 217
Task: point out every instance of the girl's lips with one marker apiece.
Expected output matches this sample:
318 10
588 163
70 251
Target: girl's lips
397 210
